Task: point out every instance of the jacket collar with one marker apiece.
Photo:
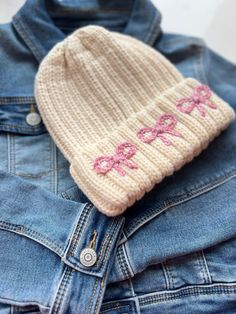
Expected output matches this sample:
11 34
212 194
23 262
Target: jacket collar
35 25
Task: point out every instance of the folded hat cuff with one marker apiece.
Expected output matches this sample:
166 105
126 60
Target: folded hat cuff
150 145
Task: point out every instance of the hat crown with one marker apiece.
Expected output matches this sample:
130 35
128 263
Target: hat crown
110 77
122 115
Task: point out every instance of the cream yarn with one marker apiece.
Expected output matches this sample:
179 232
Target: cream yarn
122 115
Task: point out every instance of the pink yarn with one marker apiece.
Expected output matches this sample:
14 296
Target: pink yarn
124 152
200 97
165 124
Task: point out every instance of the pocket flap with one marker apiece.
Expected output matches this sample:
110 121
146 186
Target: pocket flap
20 115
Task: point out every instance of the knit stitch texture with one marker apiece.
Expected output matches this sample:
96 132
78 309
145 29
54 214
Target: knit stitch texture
123 115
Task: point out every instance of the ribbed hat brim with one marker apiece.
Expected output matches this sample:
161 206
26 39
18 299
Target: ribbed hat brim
113 193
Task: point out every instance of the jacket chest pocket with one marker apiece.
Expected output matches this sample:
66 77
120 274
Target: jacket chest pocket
26 148
20 115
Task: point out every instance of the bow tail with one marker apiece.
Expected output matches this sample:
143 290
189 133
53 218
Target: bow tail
118 168
130 164
164 139
174 133
211 105
201 109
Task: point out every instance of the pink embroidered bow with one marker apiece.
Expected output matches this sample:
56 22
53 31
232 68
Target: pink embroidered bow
123 153
165 124
200 97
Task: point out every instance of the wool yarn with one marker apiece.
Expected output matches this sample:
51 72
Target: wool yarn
123 115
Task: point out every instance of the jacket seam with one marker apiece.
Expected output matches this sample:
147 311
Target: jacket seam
16 303
17 100
202 262
33 235
200 68
90 304
175 201
81 223
195 290
62 290
125 270
151 36
26 37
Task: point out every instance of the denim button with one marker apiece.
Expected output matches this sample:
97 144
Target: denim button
33 118
88 257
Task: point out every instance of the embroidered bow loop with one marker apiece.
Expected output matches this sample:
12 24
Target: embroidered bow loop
124 152
200 97
165 124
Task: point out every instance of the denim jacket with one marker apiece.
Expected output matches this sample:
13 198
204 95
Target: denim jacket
165 254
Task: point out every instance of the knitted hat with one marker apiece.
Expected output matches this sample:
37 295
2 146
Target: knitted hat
122 115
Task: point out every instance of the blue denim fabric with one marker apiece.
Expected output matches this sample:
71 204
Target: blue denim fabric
42 236
173 252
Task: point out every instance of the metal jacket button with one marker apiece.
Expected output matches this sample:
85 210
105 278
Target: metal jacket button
88 257
33 118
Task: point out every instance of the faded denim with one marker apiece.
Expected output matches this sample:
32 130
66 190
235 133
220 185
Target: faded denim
172 252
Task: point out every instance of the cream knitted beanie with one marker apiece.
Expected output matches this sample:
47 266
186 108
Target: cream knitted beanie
122 115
